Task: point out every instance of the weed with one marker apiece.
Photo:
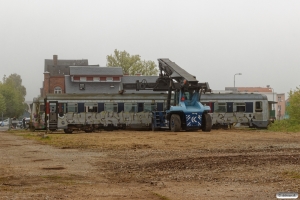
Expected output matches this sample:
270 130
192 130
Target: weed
292 174
160 196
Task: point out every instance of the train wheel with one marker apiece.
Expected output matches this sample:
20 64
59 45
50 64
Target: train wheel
206 122
175 123
68 130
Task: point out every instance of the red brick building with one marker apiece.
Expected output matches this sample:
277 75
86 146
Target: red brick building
54 74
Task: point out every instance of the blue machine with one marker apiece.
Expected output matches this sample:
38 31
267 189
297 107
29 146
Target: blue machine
186 113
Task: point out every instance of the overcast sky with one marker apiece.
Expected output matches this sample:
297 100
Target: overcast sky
212 40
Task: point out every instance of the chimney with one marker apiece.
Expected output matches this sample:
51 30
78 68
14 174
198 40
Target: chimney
55 60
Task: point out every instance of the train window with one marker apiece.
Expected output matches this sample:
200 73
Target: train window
111 107
220 107
258 106
72 107
130 107
148 107
239 107
91 107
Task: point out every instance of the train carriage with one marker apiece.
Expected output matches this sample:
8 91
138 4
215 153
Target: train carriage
237 109
89 112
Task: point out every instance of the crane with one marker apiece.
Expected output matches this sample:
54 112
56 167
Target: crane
186 113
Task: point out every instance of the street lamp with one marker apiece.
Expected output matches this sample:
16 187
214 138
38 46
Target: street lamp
234 78
268 86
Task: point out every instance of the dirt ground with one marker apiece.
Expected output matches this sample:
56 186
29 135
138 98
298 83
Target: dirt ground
221 164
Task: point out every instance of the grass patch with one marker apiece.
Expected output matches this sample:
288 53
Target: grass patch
292 174
285 125
160 196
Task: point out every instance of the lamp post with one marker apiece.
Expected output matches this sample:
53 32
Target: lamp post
234 78
268 86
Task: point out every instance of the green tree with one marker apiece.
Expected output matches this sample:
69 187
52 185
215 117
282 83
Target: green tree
292 124
293 109
13 93
2 105
131 64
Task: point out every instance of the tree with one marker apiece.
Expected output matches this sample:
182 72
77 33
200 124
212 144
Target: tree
2 105
13 93
293 109
131 64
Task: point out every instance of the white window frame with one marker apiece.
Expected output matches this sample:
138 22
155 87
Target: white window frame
109 79
57 90
96 79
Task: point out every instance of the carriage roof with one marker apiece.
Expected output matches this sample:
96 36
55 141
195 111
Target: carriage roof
233 96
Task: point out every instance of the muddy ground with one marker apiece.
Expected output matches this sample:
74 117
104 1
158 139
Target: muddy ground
221 164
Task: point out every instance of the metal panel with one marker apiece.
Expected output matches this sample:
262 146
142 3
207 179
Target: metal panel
120 107
160 107
140 107
249 107
100 107
80 107
230 107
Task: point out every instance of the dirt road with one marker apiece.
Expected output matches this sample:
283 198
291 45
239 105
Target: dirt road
223 164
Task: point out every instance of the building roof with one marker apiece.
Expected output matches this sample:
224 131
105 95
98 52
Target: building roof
62 65
233 96
96 70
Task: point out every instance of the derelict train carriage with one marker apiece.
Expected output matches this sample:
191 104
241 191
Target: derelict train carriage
237 109
95 111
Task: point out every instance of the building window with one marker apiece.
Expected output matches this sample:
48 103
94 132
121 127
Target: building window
96 79
109 79
57 90
279 99
81 86
82 78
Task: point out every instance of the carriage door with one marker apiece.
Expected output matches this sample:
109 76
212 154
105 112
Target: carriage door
53 115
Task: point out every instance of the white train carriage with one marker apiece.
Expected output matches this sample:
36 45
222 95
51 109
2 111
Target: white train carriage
237 109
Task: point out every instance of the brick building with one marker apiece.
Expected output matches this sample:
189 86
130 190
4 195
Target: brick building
54 74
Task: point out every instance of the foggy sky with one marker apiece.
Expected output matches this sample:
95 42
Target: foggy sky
212 40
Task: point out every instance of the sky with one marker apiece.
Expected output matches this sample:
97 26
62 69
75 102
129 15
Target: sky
213 40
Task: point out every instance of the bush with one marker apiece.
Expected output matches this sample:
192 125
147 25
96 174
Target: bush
285 125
